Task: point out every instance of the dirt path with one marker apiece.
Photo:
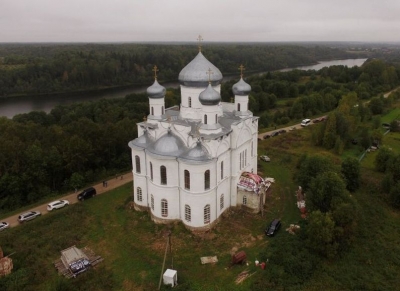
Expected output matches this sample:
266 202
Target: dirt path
111 184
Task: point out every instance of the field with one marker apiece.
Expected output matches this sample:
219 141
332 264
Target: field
133 246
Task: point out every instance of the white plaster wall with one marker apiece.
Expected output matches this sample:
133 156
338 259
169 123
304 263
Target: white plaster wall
140 181
157 104
243 101
171 194
193 112
197 204
172 171
197 176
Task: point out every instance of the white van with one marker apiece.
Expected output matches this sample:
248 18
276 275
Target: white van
305 122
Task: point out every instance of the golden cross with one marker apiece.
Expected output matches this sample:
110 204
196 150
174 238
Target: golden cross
209 72
241 68
155 70
200 39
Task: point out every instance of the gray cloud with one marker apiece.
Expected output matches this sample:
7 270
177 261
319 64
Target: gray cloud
183 20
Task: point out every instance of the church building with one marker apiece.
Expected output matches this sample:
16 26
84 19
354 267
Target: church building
187 160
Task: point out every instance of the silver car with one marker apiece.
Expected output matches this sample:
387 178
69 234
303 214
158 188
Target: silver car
3 225
57 204
28 216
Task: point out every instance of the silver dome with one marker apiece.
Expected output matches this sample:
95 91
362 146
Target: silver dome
209 96
199 153
168 145
195 73
142 141
156 90
241 88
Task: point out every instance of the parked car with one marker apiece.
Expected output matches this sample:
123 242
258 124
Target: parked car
265 158
282 131
316 120
28 216
354 141
275 133
57 204
292 128
273 227
4 225
266 136
87 193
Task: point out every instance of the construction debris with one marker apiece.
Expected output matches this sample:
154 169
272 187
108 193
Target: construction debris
243 276
6 264
209 260
293 228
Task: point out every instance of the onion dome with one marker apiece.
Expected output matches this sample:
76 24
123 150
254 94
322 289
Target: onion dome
198 153
168 145
241 88
156 91
195 73
209 96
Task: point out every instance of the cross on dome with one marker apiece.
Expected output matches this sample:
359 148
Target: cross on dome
209 73
199 39
241 68
155 70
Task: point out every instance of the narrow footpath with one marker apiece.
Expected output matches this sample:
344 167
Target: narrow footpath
72 197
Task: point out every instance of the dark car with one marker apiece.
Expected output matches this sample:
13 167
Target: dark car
266 136
282 131
88 193
273 227
354 141
275 133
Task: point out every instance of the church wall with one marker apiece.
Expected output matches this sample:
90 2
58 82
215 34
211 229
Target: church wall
171 195
252 199
243 101
140 182
197 172
171 170
157 105
223 188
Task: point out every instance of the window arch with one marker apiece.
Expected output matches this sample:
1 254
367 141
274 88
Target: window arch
188 213
238 107
163 175
152 110
139 196
221 202
216 118
207 180
164 208
137 162
244 200
162 110
187 179
190 101
152 202
207 214
222 170
205 118
151 171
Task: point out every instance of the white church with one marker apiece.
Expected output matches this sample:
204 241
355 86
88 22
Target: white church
187 160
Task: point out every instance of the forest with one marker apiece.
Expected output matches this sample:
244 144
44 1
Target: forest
33 69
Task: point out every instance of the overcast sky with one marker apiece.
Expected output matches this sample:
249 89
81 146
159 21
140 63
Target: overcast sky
184 20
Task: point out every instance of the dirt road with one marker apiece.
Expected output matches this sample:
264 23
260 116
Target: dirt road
111 184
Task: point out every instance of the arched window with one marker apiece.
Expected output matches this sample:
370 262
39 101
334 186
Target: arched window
245 200
238 107
162 110
216 118
188 213
205 118
139 194
163 174
137 162
190 101
164 208
152 201
207 180
187 179
222 170
151 171
152 110
221 202
252 148
207 214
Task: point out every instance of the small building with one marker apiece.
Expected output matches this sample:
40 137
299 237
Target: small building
251 191
170 277
75 260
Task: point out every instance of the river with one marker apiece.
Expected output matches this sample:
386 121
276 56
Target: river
10 107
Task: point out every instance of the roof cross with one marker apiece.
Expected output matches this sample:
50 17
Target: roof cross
209 73
155 70
241 68
199 39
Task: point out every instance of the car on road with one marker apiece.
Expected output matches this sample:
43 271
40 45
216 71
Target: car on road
275 133
292 128
87 193
305 122
28 216
265 158
266 136
273 227
4 225
57 204
282 131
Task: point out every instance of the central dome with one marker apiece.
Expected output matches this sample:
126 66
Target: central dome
195 74
168 145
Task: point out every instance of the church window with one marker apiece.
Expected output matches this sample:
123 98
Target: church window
151 171
221 202
190 102
245 200
207 180
222 170
216 118
152 110
137 161
205 118
139 194
162 110
164 208
188 213
163 174
187 179
207 214
152 201
252 148
238 107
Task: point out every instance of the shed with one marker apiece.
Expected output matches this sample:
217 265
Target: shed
75 260
170 277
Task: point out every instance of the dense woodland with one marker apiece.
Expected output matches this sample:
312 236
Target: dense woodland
48 68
